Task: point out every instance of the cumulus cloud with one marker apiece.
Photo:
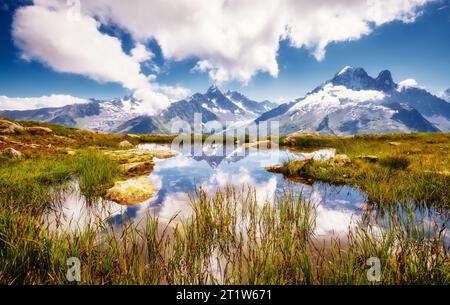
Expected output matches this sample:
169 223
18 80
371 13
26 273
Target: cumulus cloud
9 103
76 45
234 39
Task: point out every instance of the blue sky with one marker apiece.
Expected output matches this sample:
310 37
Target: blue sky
418 50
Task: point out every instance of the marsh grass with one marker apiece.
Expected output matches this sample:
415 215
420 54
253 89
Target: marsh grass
231 238
96 173
404 167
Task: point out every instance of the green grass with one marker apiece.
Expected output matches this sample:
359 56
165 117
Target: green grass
231 238
401 167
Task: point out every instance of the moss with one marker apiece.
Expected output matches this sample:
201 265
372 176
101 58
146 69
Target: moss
131 191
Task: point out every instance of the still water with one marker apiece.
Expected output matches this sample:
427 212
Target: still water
177 179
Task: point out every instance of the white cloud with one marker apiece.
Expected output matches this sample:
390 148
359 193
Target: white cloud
408 83
76 45
234 39
9 103
140 53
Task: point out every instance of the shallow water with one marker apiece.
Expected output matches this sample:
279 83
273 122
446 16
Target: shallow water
177 179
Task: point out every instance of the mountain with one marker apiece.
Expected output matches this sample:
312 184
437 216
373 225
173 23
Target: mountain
126 115
247 105
353 102
212 105
96 115
446 95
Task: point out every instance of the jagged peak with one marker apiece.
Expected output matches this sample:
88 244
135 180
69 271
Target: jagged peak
344 70
213 89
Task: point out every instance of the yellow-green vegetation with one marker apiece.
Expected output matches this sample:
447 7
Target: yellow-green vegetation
389 168
131 191
230 238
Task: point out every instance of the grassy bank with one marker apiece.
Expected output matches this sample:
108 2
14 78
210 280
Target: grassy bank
389 168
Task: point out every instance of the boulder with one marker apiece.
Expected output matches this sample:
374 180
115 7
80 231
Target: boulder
369 158
291 139
137 168
12 153
340 160
131 191
38 131
7 127
125 144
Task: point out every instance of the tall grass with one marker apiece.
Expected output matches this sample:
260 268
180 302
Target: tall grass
96 173
231 238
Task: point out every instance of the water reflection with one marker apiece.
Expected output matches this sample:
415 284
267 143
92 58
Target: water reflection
178 178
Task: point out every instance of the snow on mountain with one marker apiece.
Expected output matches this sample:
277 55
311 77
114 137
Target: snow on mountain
249 106
353 102
445 95
127 115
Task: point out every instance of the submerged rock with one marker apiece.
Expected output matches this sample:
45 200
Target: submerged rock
131 191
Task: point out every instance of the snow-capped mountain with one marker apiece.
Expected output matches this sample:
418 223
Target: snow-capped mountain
353 102
212 105
127 115
98 115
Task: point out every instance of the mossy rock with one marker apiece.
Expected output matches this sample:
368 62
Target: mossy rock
131 191
137 168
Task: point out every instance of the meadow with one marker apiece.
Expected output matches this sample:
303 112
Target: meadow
230 238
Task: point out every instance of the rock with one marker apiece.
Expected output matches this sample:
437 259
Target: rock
137 168
278 169
134 136
320 155
259 144
7 127
34 146
12 153
395 143
131 191
340 160
292 141
369 158
38 131
71 152
163 153
125 144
